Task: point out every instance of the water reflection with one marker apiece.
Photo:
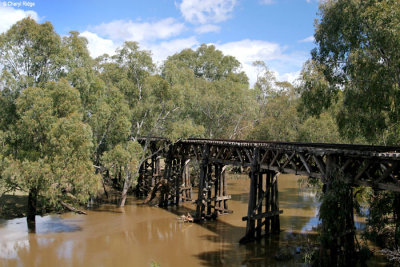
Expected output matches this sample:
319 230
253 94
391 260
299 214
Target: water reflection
138 234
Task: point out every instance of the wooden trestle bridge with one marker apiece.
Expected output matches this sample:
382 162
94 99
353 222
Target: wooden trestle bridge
374 166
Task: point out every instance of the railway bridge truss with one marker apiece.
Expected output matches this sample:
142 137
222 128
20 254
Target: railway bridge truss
359 165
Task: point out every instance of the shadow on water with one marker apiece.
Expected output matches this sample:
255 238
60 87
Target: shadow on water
44 225
225 232
263 252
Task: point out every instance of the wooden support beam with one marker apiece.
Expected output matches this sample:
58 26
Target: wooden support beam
230 162
320 165
363 169
248 154
264 157
289 159
275 159
263 215
202 183
260 199
223 210
250 225
239 155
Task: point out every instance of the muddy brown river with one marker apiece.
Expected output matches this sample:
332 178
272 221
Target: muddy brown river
140 235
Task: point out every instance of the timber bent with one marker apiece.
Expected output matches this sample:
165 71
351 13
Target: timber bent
359 165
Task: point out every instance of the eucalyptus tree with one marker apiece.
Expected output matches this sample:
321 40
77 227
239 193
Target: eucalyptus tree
278 119
30 55
216 95
357 54
147 104
52 157
46 147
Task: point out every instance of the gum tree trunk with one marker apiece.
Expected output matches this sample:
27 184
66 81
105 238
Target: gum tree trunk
31 212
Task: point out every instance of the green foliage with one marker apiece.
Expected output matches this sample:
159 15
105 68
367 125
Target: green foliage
53 146
353 76
31 54
280 116
123 159
279 120
357 54
316 94
214 91
380 228
209 64
319 129
335 213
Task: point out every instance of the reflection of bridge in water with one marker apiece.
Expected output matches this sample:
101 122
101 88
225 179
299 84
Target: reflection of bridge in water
374 166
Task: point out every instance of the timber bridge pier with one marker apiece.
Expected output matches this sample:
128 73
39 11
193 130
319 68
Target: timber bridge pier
358 165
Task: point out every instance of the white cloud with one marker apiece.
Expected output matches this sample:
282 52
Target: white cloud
285 66
309 39
267 2
164 49
139 31
207 28
160 51
98 46
288 76
251 50
207 11
9 16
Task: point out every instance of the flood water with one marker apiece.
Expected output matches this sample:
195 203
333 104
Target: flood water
139 235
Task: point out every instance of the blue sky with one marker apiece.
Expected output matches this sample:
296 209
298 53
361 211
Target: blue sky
278 32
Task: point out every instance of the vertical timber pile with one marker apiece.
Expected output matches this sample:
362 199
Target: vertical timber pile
156 171
148 176
171 188
200 203
258 196
186 188
208 185
396 215
212 196
142 187
164 194
220 196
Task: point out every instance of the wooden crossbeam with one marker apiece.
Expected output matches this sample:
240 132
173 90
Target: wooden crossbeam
320 165
230 151
264 157
248 154
239 155
367 164
263 215
223 210
289 159
221 149
305 164
274 159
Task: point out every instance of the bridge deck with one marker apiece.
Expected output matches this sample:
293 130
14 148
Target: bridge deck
328 148
374 166
390 152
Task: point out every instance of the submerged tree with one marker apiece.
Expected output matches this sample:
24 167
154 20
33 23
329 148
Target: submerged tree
51 159
46 147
